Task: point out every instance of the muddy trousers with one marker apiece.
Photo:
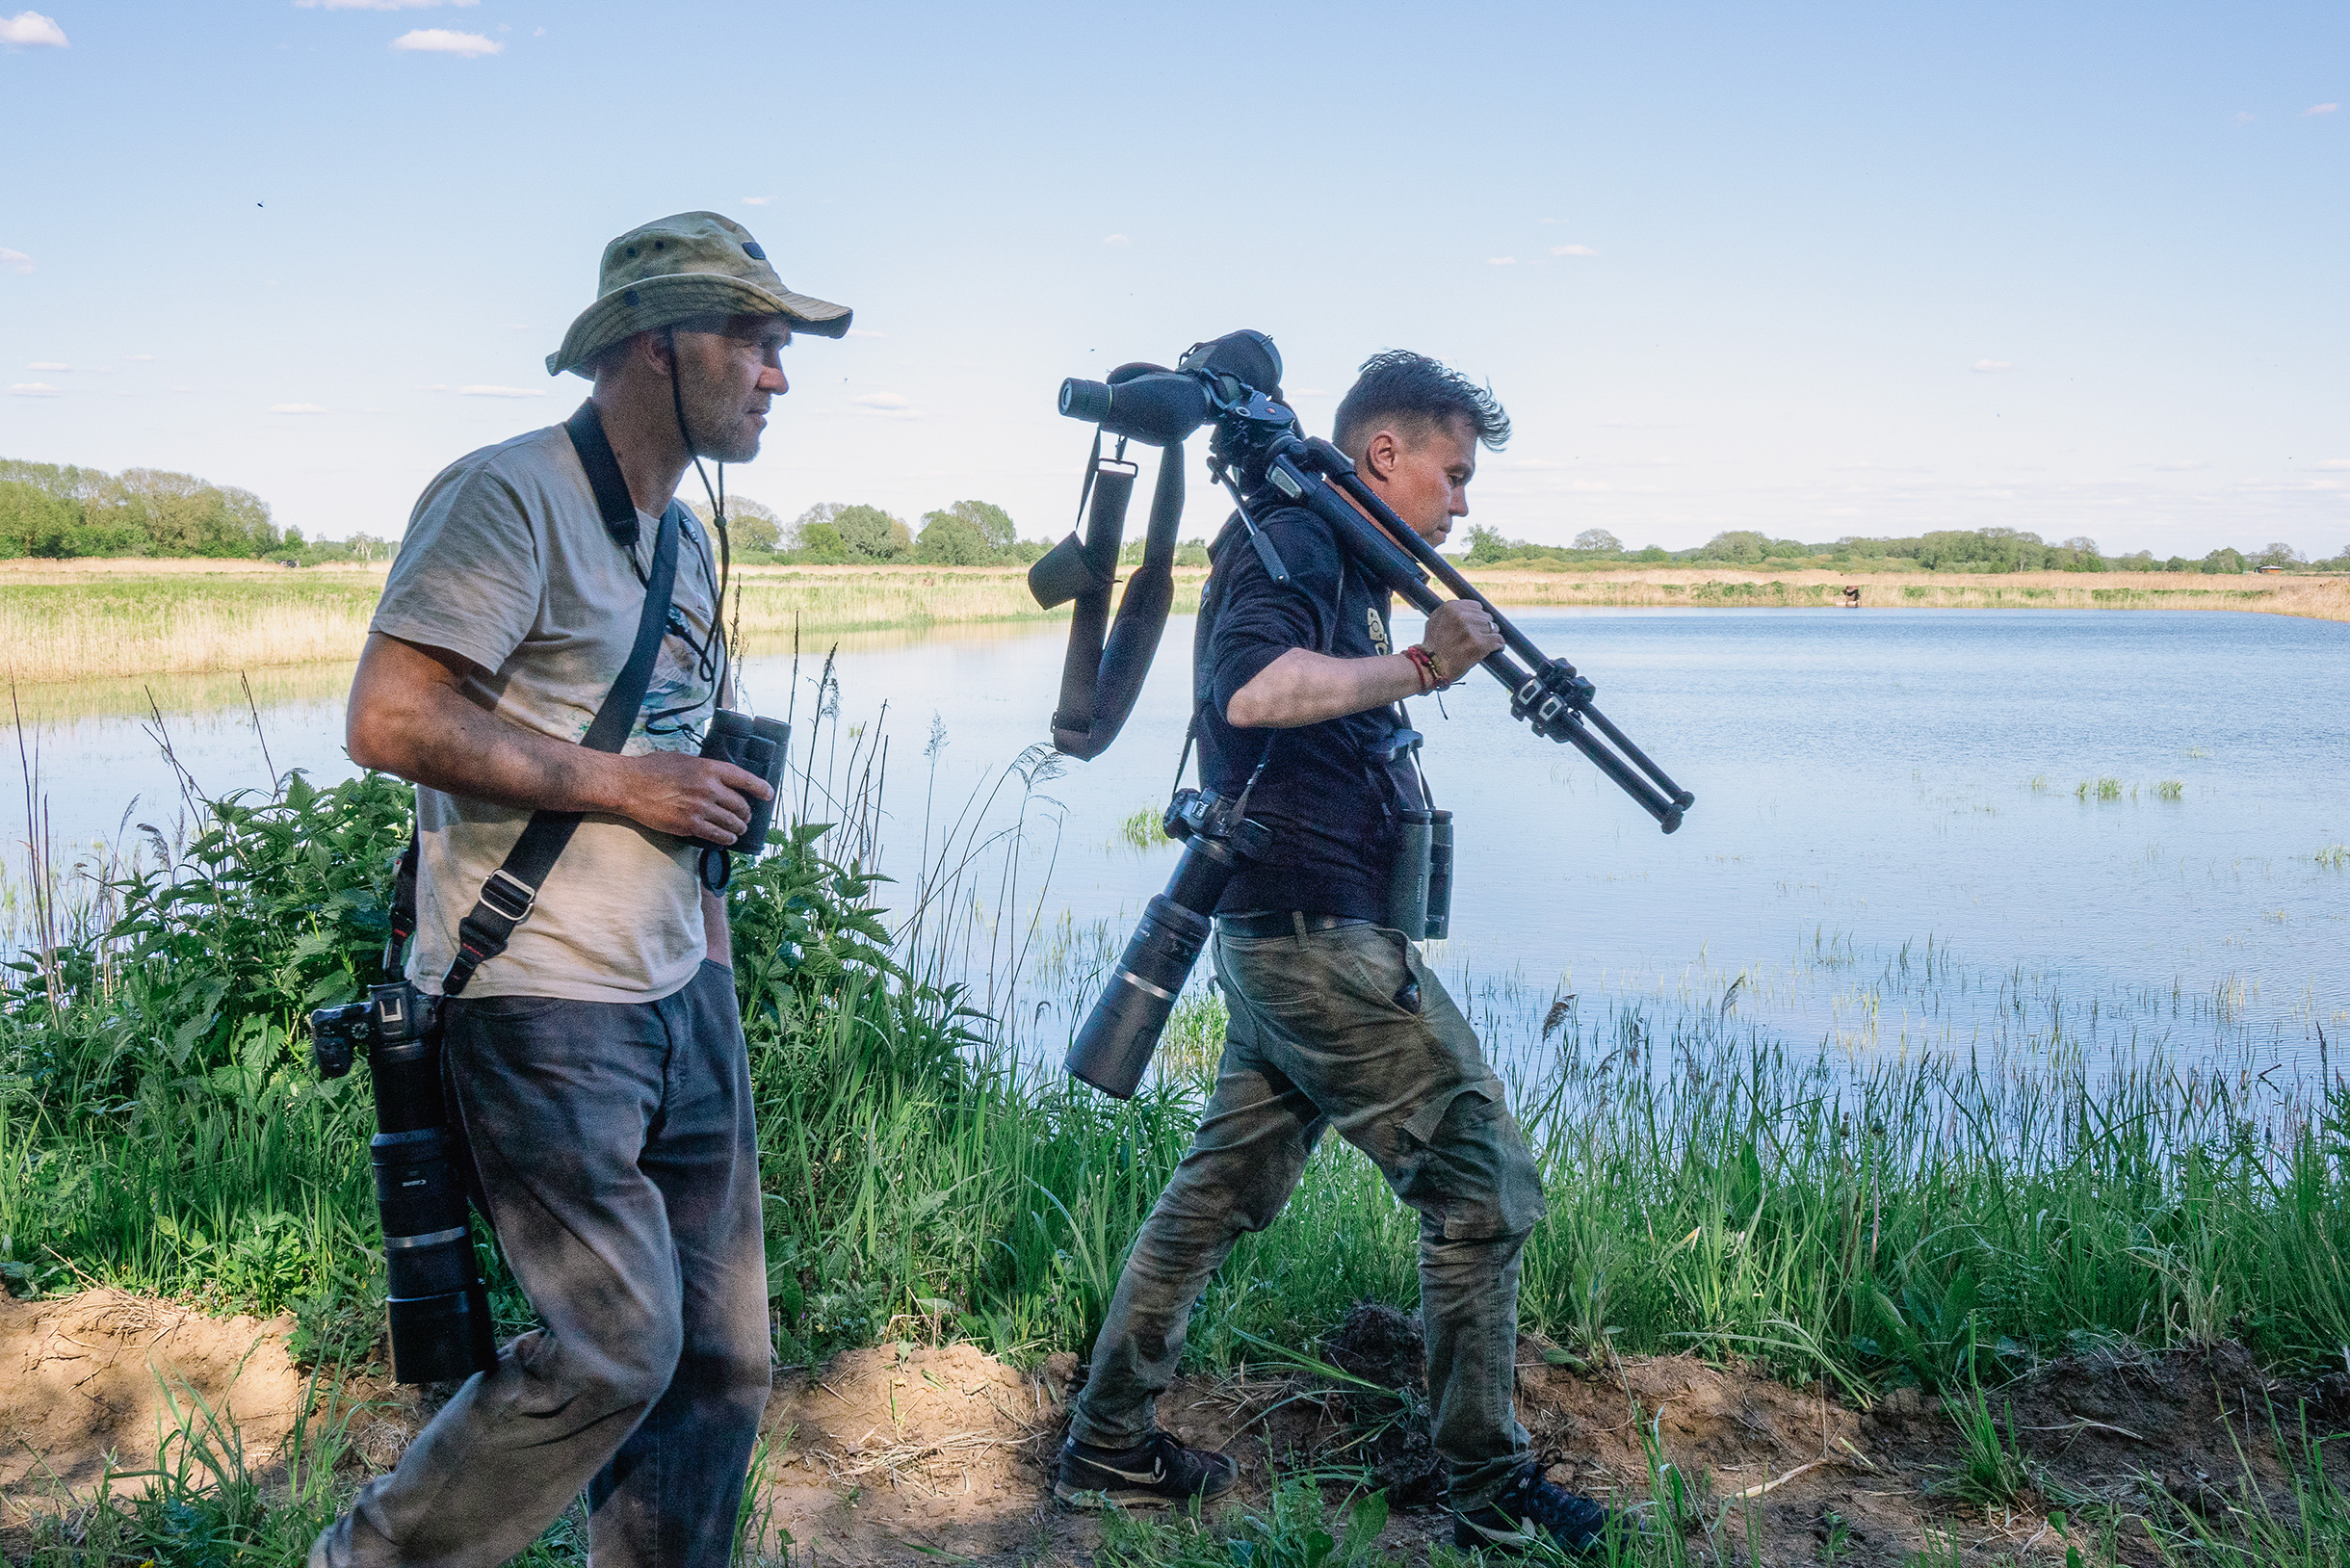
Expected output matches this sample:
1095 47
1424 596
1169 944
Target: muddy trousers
1318 1039
617 1154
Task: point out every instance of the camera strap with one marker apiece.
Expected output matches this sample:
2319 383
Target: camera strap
508 897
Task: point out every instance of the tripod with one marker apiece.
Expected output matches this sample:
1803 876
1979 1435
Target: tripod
1545 693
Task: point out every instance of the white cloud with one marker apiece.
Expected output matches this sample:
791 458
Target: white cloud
47 364
478 391
2334 462
2176 467
756 201
1500 261
34 389
439 40
888 404
29 29
2313 108
1989 366
295 408
378 5
143 358
1573 250
859 331
1115 239
15 258
1310 392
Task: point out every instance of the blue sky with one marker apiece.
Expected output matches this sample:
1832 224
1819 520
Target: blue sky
1817 270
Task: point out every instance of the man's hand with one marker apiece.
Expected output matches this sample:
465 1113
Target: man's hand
1460 635
695 798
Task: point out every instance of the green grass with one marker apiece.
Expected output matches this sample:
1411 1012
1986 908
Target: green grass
1909 1219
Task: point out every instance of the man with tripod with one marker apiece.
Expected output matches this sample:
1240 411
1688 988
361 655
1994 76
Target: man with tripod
594 1060
1335 1023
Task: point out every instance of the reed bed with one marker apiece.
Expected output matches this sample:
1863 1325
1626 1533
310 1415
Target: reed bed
114 621
1715 588
113 627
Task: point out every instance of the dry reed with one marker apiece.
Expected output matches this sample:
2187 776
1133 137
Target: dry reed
113 621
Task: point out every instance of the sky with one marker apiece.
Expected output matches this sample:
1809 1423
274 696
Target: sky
1820 270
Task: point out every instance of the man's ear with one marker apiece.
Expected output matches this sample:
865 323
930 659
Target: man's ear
1379 454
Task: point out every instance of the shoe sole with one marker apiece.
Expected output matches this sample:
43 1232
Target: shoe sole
1096 1499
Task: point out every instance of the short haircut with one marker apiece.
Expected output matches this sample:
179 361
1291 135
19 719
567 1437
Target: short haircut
1398 387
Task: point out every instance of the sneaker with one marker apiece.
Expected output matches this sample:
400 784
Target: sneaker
1530 1509
1154 1471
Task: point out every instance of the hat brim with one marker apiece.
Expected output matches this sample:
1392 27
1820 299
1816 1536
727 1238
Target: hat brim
674 297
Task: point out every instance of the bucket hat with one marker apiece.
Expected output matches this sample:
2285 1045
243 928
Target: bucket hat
675 269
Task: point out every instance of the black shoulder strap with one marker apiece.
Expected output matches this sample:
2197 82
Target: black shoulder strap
506 898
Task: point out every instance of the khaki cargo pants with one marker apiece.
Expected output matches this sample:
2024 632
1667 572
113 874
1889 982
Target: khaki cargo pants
1318 1039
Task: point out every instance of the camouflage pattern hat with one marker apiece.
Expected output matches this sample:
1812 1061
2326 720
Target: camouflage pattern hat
675 269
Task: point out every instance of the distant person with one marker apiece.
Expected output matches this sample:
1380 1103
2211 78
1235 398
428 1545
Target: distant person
1335 1022
596 1064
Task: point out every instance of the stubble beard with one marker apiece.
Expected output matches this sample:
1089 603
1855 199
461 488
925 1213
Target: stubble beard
723 430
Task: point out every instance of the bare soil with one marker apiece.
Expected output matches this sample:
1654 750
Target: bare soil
87 1382
901 1453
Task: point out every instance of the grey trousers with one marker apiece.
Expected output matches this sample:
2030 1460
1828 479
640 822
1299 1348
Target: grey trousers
1318 1039
616 1152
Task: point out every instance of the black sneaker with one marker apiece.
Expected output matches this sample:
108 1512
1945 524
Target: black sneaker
1154 1471
1530 1508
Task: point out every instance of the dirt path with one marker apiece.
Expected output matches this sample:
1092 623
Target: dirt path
903 1452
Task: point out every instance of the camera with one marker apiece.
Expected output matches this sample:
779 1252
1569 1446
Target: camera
1113 1047
439 1304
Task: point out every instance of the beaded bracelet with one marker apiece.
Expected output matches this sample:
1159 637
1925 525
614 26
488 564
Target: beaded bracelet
1431 676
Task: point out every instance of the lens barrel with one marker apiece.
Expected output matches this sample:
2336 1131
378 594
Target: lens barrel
1113 1049
438 1304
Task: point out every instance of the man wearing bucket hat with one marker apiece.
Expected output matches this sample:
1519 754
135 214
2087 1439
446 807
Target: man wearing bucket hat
593 1058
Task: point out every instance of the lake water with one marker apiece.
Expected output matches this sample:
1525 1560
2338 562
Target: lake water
1891 849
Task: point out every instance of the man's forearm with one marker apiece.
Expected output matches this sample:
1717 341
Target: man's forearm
425 730
1303 686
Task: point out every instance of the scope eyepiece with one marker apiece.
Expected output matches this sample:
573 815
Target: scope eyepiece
1088 401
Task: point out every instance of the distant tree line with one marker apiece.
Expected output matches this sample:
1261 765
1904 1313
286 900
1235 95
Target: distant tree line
1956 550
58 511
838 533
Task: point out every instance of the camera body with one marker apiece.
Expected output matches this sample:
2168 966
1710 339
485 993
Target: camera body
438 1304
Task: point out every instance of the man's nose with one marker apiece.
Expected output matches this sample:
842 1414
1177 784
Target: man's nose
1460 503
771 381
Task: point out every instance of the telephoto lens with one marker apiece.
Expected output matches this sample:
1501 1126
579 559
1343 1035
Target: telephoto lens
1113 1048
439 1305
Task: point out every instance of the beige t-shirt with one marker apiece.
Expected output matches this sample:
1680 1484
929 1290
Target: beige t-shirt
508 561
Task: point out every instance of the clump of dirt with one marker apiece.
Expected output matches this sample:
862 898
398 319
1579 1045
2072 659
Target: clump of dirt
1378 1344
89 1378
1383 1346
906 1446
